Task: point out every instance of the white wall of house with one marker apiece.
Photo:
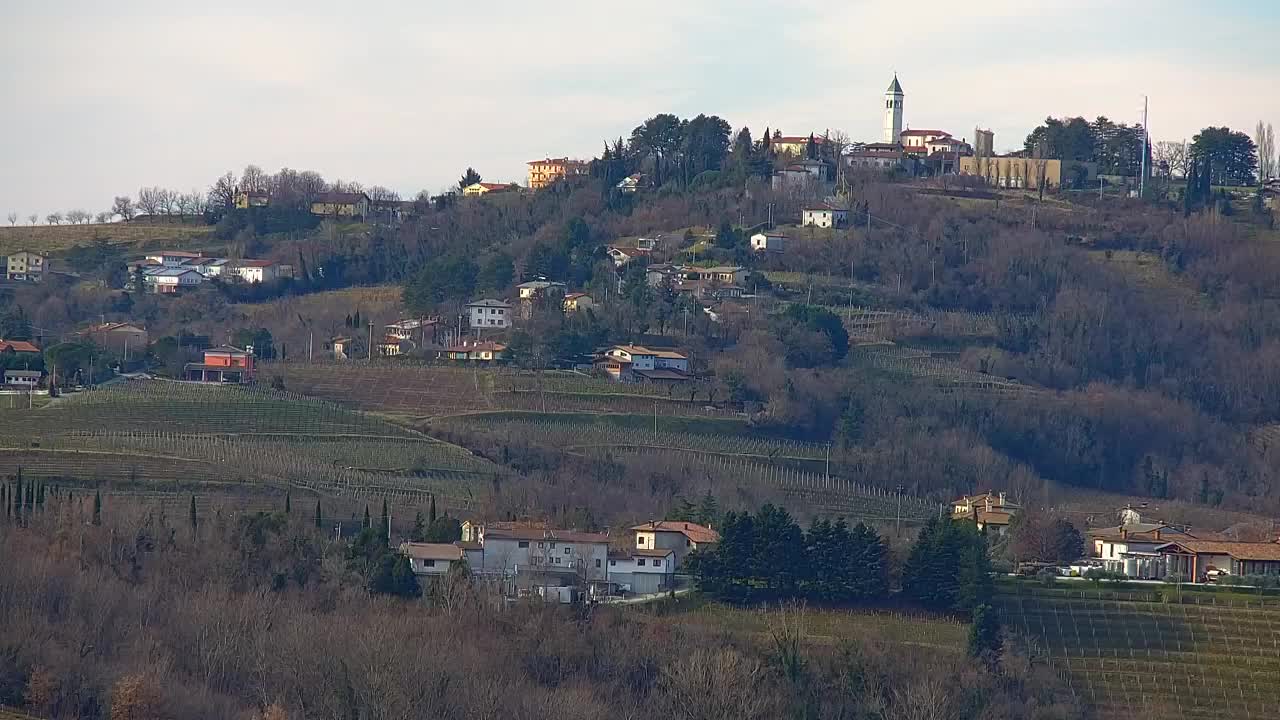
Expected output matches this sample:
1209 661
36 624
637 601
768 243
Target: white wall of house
762 242
506 555
487 318
644 575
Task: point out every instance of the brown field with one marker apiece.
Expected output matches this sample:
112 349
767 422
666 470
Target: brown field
56 238
325 314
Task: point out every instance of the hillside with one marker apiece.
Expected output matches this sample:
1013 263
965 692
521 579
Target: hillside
139 235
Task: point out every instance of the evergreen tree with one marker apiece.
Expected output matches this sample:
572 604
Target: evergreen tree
708 512
368 523
394 576
288 503
431 513
97 507
40 496
192 517
319 517
385 525
419 532
985 642
948 568
444 530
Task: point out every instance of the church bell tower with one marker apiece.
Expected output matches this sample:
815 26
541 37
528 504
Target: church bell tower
893 112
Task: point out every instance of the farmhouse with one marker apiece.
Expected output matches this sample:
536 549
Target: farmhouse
768 242
23 379
632 363
431 559
173 258
118 337
483 188
25 265
169 280
678 536
825 216
475 351
1131 548
573 302
489 314
223 364
341 204
532 556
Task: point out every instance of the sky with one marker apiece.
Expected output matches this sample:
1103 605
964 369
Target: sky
104 98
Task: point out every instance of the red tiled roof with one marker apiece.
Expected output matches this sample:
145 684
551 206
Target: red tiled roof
18 346
494 187
1268 551
431 551
693 531
486 346
926 132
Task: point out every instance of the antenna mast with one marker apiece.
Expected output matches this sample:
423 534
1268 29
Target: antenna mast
1146 134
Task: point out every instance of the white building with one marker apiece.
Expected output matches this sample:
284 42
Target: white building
431 559
25 265
209 267
167 280
679 536
893 111
623 255
825 216
768 242
539 555
540 288
173 258
260 271
803 174
918 140
632 363
26 379
642 571
489 314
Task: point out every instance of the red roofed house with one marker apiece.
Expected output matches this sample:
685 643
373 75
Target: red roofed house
623 255
223 364
917 141
475 351
550 170
796 145
576 301
535 557
122 338
679 536
484 188
1208 560
632 363
18 346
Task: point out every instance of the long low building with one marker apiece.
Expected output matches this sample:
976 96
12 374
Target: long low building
1201 560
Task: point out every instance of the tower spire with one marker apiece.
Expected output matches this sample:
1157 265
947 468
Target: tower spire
893 98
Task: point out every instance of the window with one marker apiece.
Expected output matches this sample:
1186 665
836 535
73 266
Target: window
557 561
597 562
639 562
552 546
639 541
540 544
428 563
524 543
567 550
612 563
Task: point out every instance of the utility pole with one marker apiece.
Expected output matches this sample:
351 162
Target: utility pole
655 422
827 473
898 519
1142 177
370 351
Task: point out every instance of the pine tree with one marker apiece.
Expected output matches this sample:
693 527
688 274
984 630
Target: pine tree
419 532
319 522
17 496
431 514
40 496
192 518
385 526
97 507
368 523
985 642
288 503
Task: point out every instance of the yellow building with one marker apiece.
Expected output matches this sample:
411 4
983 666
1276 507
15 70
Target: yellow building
246 199
339 204
797 145
549 170
1024 172
484 188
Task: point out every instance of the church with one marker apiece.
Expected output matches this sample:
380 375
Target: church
916 150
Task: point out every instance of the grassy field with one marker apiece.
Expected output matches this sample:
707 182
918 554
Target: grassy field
1187 655
162 435
56 238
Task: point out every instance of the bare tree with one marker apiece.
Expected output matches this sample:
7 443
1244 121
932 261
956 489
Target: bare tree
13 219
253 179
123 207
103 217
149 200
1170 158
32 219
378 193
1264 138
222 194
53 218
78 217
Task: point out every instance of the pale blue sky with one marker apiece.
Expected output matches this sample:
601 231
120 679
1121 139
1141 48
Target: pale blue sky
101 98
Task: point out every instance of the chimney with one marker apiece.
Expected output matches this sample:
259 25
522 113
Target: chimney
1124 532
1002 499
1157 533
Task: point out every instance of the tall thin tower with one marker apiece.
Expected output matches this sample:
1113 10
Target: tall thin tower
893 112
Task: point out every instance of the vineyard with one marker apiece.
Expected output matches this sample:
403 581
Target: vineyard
1186 656
867 323
735 462
434 391
159 434
930 367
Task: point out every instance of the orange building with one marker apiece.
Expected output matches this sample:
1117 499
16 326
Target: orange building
224 364
548 170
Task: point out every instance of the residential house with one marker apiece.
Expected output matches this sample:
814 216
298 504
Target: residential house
261 271
801 174
888 157
726 274
173 258
1131 547
825 216
660 275
992 512
1208 560
489 314
22 379
917 141
223 364
768 241
343 347
798 145
647 244
341 205
119 338
632 184
246 199
390 346
623 255
642 571
538 289
25 265
678 536
210 267
547 171
420 331
1022 172
632 363
539 556
431 559
484 188
475 351
947 144
575 301
18 346
168 280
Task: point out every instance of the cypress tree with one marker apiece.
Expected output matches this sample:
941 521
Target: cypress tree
4 499
17 496
419 533
193 513
288 504
40 496
97 507
985 642
431 514
385 527
318 516
367 522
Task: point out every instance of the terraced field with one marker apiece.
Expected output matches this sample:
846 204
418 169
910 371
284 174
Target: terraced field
930 367
1197 656
151 434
